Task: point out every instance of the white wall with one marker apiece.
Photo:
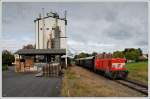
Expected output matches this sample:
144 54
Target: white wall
36 35
40 35
61 24
49 23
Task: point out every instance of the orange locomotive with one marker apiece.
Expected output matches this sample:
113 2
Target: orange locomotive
104 63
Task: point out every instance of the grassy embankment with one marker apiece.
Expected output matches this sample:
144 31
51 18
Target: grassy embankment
138 71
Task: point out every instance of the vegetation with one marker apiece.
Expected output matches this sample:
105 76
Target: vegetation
138 71
79 82
29 46
4 67
7 59
94 53
118 54
130 54
82 55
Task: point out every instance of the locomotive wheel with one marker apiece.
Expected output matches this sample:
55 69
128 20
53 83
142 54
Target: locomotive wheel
114 75
107 74
95 70
123 74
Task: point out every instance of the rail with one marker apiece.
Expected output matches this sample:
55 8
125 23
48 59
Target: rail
134 85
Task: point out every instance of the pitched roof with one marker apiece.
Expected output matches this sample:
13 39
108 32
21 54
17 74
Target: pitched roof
41 51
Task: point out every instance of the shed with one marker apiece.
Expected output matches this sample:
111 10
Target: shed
48 55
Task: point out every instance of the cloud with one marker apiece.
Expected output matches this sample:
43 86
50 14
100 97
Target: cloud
103 26
15 44
142 43
77 47
120 31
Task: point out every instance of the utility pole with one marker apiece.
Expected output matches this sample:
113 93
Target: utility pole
65 15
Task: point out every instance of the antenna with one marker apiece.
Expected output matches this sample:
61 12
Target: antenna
39 15
65 14
43 25
43 12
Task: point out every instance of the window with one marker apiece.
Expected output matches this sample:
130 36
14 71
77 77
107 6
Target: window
47 28
40 28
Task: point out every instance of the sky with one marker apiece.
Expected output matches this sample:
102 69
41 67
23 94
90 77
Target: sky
97 26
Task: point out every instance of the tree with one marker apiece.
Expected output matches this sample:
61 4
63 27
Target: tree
7 58
141 53
94 54
81 55
28 46
133 54
118 54
76 56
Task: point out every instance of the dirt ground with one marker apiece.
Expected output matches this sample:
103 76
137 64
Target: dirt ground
82 82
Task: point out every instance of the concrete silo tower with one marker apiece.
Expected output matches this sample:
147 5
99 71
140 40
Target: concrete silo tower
50 32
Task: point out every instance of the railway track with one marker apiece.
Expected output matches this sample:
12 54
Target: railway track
134 85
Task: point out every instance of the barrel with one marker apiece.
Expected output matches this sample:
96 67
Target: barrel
51 70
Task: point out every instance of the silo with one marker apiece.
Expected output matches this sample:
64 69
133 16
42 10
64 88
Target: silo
57 37
50 25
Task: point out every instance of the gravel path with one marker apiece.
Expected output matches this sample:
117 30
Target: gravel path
27 85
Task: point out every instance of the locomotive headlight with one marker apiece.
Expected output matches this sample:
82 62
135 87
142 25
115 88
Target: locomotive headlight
123 65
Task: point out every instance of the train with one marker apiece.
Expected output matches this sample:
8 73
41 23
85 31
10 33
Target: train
110 67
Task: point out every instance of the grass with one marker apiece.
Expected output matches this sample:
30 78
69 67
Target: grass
76 85
69 81
138 71
79 82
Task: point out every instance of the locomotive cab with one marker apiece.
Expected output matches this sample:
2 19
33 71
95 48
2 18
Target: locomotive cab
111 67
118 64
118 69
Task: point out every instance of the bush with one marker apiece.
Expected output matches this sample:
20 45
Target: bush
118 54
7 58
4 67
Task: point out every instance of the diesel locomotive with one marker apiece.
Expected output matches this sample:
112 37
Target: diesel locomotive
110 67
